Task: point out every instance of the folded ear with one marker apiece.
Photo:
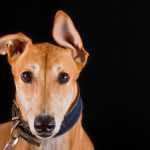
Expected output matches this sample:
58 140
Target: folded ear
67 36
13 45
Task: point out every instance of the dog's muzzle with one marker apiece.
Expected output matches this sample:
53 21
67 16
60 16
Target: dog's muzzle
45 124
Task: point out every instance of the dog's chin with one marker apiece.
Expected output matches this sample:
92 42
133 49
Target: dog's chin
44 136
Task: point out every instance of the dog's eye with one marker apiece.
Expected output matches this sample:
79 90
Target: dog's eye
26 77
63 78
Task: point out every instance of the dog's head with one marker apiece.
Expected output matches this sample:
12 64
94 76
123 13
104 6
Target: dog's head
45 75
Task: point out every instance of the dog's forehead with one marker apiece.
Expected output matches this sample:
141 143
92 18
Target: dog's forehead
46 56
55 57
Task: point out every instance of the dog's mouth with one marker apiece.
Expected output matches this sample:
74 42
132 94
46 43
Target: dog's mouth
45 135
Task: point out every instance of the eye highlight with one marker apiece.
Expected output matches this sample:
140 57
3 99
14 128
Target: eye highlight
63 78
26 77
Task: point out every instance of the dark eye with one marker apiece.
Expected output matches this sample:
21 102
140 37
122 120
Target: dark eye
63 78
26 77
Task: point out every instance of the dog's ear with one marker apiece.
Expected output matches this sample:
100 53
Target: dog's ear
67 36
13 45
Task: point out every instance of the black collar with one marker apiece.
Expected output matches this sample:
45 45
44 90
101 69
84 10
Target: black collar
69 121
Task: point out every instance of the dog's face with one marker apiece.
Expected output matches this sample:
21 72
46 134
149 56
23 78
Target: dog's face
45 75
45 84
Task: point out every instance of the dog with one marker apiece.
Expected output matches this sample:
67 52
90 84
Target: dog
47 93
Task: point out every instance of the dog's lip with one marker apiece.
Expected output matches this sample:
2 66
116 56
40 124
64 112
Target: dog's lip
44 135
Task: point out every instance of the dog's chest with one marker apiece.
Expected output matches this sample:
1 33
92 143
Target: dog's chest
54 144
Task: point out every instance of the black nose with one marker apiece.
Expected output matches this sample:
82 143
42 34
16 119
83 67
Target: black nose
44 124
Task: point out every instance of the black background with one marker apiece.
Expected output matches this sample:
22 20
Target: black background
115 84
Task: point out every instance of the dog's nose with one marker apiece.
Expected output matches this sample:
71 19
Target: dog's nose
44 124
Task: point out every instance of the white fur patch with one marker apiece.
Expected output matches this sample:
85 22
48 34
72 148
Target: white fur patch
67 102
35 68
21 95
58 143
56 69
51 144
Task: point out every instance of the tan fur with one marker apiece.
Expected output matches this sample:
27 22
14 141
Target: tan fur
45 95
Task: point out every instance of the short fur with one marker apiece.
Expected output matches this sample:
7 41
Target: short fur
45 95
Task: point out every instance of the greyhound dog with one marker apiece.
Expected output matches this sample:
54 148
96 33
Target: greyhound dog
47 110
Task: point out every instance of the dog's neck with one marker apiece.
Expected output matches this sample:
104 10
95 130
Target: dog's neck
58 143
